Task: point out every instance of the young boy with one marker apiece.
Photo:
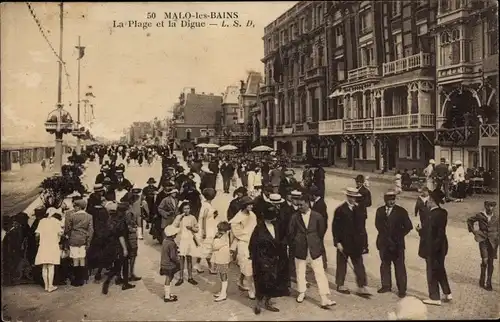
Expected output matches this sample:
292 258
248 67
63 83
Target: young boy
484 226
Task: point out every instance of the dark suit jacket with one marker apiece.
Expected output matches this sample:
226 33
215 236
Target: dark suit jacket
286 214
304 239
392 230
208 181
366 199
488 231
348 228
433 240
320 207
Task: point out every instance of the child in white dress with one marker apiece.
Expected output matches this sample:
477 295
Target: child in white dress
49 232
221 257
188 245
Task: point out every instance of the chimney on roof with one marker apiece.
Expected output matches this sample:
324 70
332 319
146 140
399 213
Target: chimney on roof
193 91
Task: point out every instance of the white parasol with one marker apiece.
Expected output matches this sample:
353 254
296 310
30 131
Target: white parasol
262 148
202 145
211 146
228 147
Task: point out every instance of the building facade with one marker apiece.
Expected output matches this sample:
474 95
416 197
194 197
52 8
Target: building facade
196 118
385 85
139 131
292 106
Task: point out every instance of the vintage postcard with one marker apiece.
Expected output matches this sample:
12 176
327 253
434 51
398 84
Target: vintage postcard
249 161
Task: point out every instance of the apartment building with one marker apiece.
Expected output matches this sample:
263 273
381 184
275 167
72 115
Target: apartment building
291 106
466 36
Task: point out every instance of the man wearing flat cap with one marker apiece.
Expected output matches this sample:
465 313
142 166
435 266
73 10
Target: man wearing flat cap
348 237
393 224
484 226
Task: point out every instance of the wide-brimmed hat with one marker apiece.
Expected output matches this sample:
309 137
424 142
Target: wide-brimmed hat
245 201
352 192
289 172
437 196
431 161
458 162
98 187
118 170
105 167
51 211
151 181
171 230
111 206
275 198
241 190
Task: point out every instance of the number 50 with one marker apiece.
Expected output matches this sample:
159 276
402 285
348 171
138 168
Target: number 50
150 15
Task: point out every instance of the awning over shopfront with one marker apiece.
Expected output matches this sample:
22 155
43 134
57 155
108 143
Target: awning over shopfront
338 92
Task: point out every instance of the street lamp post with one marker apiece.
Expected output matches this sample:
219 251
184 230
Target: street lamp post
79 131
59 121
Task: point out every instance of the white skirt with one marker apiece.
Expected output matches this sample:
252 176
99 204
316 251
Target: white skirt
243 259
187 247
77 252
206 248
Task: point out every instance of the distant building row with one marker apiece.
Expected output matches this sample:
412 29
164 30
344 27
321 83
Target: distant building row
383 85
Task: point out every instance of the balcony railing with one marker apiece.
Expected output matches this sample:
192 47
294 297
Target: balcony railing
315 72
302 80
263 131
362 73
288 130
358 125
279 128
402 65
299 127
461 69
312 126
407 121
331 127
489 130
267 89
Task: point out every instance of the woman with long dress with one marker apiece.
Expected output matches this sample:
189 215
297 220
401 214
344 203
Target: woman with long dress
49 231
242 226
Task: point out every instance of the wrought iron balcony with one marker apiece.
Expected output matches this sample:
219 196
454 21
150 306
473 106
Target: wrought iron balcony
405 64
315 73
408 121
331 127
362 73
267 90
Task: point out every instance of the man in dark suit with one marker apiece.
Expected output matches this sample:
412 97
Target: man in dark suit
318 205
393 224
288 210
208 179
318 178
434 248
261 202
305 236
348 229
227 172
287 183
442 173
364 202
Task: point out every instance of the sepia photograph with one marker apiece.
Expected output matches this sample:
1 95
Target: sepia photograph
249 161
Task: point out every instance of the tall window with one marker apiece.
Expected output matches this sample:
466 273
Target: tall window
302 64
444 6
269 45
339 37
398 46
492 36
303 25
365 20
396 8
340 70
320 56
450 47
367 56
340 108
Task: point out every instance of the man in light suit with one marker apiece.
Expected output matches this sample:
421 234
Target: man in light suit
305 236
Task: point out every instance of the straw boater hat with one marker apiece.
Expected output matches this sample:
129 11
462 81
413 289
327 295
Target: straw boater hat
136 189
275 198
352 192
171 230
289 173
98 187
151 181
105 167
390 194
431 161
296 194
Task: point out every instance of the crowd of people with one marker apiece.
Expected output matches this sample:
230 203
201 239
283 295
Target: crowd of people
274 227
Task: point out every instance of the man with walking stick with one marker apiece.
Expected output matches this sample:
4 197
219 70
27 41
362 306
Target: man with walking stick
348 229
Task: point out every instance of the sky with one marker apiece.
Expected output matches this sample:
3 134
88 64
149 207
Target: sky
136 74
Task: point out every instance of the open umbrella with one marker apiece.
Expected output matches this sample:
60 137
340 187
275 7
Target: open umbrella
228 147
201 145
262 148
211 146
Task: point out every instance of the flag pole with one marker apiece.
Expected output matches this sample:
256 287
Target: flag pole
78 141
